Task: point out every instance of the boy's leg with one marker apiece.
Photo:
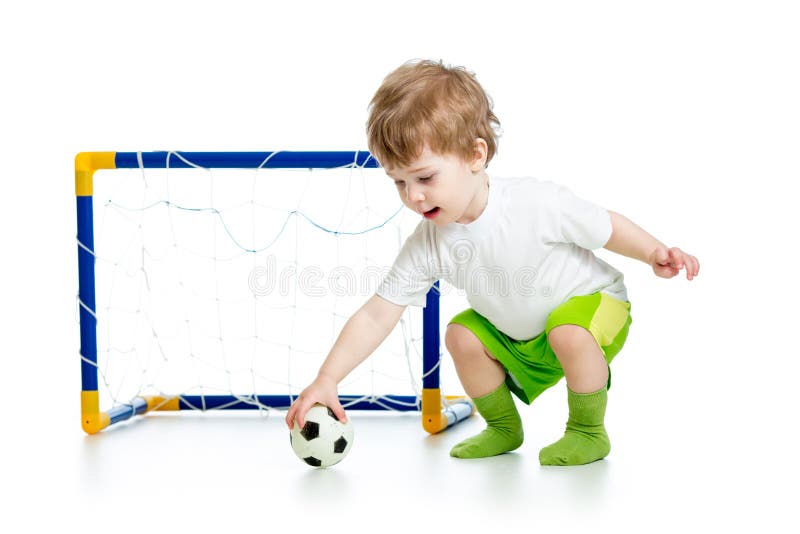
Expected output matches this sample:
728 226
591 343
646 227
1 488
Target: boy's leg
586 372
483 379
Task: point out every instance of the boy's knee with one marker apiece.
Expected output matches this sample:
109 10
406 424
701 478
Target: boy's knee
460 340
567 338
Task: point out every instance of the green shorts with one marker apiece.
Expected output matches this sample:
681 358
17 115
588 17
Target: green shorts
531 365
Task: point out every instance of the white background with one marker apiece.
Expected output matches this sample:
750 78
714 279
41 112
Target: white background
681 115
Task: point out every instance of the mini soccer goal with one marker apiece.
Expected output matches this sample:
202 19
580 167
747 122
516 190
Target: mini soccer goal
220 280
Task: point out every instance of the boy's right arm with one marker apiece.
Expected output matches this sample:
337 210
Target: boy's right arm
361 335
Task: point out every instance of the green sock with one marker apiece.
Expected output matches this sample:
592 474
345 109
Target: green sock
585 439
504 427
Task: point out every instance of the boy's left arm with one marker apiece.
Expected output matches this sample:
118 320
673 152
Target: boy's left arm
632 241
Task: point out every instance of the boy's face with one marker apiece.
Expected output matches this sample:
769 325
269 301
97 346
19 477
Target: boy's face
443 187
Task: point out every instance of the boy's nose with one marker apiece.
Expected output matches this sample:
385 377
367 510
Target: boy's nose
415 194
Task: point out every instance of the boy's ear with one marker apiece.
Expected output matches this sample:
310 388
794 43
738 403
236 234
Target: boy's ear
480 152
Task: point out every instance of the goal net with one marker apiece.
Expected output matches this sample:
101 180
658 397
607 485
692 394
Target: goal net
221 281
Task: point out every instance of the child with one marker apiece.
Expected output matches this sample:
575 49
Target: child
548 307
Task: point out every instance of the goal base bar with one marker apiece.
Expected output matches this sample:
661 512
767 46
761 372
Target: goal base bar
438 417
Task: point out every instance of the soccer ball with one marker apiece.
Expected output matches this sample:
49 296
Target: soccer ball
323 441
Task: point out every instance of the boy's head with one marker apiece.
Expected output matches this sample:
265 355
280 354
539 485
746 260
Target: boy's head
425 103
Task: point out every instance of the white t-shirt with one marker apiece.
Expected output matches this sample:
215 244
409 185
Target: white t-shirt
526 254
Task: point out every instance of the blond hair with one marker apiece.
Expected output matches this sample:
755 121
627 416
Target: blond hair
426 102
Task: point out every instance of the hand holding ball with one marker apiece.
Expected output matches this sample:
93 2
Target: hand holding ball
323 441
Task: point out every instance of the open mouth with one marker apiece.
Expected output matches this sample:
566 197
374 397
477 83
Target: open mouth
430 214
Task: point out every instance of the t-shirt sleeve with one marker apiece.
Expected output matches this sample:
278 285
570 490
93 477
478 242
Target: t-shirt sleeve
411 275
580 221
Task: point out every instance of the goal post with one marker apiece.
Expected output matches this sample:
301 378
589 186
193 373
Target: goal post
438 411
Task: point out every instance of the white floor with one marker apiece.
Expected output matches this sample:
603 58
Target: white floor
676 464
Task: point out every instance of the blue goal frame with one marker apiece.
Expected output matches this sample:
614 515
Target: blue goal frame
438 412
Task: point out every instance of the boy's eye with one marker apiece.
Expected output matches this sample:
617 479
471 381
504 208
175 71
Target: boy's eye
401 183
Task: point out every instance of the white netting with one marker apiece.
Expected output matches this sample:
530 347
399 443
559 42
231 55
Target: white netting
237 282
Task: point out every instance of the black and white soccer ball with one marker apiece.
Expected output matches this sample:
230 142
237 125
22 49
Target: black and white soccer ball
323 441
